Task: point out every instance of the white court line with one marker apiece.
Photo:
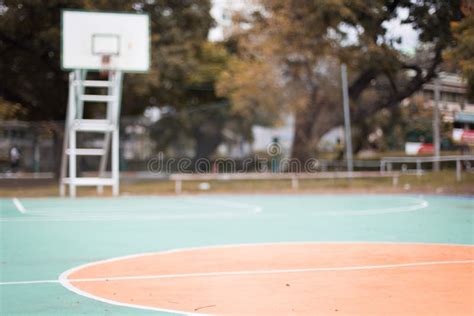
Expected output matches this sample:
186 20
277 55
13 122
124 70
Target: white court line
63 278
190 200
223 202
235 211
18 205
401 209
244 272
87 218
253 209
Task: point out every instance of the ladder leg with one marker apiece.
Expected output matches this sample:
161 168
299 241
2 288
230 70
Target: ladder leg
103 161
64 158
62 190
111 90
67 125
114 116
72 163
115 161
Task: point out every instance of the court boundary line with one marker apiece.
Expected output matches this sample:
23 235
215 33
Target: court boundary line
65 282
115 219
247 194
223 202
253 209
420 204
244 272
19 206
206 201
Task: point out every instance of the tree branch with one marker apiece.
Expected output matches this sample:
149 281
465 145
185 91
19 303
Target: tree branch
414 85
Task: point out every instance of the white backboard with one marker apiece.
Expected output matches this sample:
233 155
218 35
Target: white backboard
88 36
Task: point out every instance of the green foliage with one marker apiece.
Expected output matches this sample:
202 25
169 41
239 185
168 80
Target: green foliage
299 44
412 122
202 115
9 110
30 55
463 53
181 80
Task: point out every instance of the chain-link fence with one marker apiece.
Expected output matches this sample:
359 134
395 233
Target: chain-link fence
40 145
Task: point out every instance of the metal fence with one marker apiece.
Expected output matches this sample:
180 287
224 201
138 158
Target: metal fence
388 164
40 145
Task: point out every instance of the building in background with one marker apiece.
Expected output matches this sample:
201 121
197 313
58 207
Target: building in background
453 97
454 106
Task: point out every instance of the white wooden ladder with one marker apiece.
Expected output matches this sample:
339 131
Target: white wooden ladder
109 126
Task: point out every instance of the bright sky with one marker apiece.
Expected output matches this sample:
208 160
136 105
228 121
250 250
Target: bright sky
222 10
408 35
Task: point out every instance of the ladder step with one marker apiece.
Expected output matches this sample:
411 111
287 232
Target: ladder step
93 125
87 152
95 83
89 181
97 98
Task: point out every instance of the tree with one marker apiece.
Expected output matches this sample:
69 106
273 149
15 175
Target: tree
181 76
201 115
304 42
30 54
411 122
463 53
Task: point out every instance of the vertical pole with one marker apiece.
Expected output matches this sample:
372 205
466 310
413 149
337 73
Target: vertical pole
111 91
178 186
418 166
72 163
115 161
67 127
79 84
458 170
436 137
347 119
395 180
116 135
294 182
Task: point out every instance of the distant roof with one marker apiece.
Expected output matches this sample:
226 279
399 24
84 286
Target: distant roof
451 77
449 82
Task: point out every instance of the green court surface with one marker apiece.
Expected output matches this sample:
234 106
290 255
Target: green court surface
41 238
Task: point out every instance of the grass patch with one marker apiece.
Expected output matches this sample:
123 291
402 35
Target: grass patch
443 182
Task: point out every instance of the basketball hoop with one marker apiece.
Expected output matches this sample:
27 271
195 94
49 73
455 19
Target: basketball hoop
105 41
108 44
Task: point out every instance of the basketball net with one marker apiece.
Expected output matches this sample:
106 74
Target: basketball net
105 66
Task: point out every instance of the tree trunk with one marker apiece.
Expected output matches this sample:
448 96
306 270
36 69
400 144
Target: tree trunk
305 117
206 144
207 137
361 131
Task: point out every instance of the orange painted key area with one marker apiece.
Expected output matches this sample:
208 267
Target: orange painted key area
290 279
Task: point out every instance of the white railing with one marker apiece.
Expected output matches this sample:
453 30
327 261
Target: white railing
178 178
386 163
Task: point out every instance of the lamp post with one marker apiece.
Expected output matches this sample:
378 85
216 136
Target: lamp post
347 119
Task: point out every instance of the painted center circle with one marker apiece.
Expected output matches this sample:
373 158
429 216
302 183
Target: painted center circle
288 279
